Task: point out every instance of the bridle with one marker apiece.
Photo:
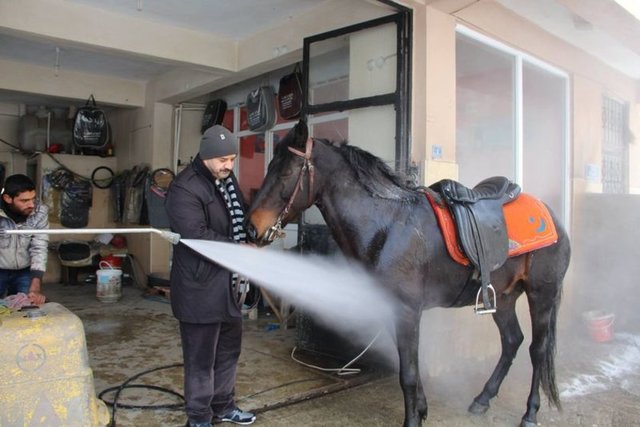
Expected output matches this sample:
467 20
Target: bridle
276 230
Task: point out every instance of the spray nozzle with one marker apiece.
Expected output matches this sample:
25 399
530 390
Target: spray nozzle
173 238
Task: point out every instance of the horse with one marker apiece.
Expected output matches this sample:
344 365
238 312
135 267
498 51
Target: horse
383 222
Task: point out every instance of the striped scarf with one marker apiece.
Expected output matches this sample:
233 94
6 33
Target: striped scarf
228 191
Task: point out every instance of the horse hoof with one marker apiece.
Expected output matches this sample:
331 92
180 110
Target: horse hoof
478 408
525 423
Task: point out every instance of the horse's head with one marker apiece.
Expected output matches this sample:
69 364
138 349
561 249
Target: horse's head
287 189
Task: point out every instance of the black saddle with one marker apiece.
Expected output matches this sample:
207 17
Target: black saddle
480 222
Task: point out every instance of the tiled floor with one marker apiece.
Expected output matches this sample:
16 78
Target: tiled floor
137 334
601 387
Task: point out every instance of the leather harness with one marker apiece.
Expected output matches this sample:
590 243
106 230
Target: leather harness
276 230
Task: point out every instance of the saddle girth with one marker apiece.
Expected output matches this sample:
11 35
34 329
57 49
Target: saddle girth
481 224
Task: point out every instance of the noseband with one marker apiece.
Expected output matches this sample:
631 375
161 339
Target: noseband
276 230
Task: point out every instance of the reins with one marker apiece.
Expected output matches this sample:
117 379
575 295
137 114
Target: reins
276 230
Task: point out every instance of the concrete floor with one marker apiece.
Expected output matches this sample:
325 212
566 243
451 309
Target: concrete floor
600 382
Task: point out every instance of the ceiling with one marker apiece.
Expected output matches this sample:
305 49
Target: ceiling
602 28
219 19
583 23
232 19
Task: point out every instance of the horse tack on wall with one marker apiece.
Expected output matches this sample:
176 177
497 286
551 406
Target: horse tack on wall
261 109
376 219
213 114
290 94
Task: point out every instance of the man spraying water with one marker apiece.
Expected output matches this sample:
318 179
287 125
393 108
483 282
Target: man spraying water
204 202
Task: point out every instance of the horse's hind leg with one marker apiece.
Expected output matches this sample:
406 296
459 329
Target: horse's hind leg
544 298
511 337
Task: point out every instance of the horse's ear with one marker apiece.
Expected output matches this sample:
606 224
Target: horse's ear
339 144
301 133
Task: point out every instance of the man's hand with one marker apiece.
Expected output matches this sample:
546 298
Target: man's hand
36 297
34 292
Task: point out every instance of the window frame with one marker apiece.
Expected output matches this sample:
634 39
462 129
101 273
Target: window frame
400 98
520 58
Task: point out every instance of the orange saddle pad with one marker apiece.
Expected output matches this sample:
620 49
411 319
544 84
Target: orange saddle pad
529 226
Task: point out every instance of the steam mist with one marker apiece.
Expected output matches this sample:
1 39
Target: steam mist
603 279
458 349
342 296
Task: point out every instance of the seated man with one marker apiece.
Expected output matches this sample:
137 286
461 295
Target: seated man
23 258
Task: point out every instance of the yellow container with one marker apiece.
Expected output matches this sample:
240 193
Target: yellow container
45 379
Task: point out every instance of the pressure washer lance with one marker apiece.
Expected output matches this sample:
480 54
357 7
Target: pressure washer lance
172 237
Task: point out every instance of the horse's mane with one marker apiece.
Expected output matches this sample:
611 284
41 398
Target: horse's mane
374 175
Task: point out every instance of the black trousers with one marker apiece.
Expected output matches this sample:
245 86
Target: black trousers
210 353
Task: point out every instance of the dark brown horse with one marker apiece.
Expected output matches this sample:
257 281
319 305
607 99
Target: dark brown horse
390 228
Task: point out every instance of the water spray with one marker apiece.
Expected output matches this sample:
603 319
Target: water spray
172 237
341 295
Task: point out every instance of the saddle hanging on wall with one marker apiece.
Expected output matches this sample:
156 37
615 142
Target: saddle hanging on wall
261 109
213 114
290 94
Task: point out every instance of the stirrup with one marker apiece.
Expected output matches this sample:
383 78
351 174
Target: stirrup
484 309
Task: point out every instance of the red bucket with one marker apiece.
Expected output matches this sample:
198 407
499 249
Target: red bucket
600 325
111 261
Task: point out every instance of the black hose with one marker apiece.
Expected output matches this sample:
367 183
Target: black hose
104 182
168 406
14 146
127 384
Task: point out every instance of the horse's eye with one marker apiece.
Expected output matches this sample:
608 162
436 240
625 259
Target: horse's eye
287 172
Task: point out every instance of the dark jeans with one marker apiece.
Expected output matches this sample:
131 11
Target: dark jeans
14 281
210 353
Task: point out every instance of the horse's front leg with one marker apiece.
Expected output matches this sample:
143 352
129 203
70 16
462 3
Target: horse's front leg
415 402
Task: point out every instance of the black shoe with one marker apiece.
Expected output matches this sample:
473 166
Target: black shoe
237 416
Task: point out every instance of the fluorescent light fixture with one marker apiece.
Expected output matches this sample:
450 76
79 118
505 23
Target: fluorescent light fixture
632 6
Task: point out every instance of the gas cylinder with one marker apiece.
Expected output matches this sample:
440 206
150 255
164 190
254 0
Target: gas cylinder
45 379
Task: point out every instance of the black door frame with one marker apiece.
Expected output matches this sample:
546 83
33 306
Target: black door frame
401 98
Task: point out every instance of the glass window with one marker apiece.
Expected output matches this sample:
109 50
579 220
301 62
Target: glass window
227 120
511 119
485 115
355 65
244 124
334 130
615 163
544 102
251 165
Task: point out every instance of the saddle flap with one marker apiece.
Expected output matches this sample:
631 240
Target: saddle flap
479 218
483 234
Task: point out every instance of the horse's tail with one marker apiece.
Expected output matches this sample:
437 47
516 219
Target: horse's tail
548 370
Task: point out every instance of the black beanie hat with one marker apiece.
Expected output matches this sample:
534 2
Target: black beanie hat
217 141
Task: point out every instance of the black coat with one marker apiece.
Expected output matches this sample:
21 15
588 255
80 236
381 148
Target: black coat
200 289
